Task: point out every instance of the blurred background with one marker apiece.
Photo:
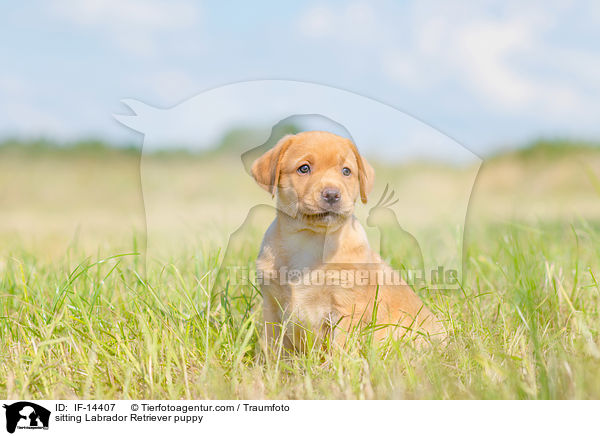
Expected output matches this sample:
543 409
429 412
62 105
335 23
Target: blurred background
516 85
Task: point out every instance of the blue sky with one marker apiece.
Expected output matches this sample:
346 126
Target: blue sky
489 74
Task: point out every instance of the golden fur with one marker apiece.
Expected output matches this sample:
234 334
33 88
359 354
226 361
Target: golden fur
311 235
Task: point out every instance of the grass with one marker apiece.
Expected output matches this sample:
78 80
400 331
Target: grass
92 317
524 325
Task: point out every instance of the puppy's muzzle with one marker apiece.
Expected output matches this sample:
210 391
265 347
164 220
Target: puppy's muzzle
331 195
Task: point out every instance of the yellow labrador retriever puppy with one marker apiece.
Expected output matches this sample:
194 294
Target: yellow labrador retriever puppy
316 269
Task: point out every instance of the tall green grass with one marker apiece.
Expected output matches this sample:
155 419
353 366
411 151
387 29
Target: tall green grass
523 325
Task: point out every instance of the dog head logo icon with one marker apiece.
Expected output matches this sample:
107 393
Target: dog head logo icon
26 415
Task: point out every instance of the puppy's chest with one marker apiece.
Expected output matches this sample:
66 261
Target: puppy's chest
293 262
302 260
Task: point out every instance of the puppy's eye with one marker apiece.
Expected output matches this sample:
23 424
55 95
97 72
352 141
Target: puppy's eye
304 169
346 171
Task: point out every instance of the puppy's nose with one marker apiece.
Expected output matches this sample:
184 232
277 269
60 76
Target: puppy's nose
331 195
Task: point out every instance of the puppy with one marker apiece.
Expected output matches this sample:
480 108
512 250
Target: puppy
318 274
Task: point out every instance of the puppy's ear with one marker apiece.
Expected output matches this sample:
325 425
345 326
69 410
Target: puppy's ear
366 174
266 169
366 178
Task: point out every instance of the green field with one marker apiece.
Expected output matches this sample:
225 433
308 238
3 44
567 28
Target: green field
85 312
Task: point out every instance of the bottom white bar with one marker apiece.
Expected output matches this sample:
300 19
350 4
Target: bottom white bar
298 417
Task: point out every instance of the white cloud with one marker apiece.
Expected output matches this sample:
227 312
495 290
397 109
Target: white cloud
172 86
21 115
357 22
481 51
317 22
133 25
489 55
401 67
500 53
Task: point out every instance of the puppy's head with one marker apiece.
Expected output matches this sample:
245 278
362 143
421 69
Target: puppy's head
317 177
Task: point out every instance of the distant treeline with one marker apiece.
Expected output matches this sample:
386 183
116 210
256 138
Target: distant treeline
235 141
238 140
548 148
43 145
